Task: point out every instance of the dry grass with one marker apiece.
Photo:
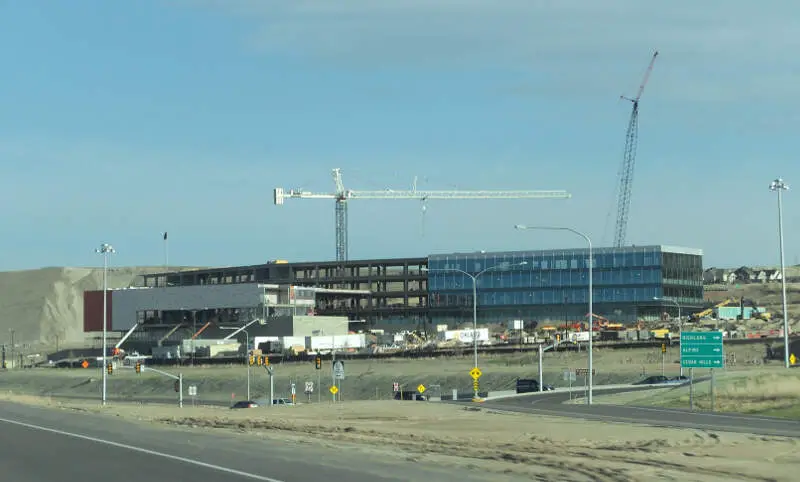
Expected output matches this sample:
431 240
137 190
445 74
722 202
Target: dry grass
539 448
366 379
767 392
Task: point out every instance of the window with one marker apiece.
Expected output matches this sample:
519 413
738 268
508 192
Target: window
560 264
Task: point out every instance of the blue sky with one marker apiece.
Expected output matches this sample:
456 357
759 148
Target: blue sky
119 120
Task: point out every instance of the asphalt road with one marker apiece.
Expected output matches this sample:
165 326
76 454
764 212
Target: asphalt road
552 403
48 444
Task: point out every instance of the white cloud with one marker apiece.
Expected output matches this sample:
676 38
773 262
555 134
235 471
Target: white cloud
715 50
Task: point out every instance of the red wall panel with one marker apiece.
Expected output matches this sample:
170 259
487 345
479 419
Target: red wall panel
93 310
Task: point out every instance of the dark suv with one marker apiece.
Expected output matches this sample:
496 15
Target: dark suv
528 385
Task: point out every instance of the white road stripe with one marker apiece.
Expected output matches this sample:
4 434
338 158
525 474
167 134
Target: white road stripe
143 451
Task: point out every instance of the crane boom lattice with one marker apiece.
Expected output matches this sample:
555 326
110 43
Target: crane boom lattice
629 162
341 196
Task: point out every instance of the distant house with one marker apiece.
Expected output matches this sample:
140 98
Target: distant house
713 276
744 275
747 274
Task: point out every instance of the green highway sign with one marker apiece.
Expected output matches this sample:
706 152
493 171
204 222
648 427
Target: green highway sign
702 349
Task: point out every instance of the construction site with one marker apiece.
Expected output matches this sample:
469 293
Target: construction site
641 294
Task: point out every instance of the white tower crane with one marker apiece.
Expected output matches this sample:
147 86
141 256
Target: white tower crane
342 195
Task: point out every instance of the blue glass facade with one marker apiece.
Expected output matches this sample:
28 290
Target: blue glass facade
553 284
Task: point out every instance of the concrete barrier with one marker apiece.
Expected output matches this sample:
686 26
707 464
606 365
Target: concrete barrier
501 394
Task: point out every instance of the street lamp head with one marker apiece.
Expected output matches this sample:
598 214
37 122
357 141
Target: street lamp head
105 248
778 185
520 226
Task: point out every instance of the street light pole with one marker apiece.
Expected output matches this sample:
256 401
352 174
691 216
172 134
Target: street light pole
246 352
105 249
680 321
474 279
590 375
780 186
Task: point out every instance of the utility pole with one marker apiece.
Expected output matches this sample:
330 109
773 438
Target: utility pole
105 250
11 355
779 186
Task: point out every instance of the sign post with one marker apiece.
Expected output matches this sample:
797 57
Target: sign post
585 373
569 376
541 370
475 373
338 376
271 372
701 349
193 394
309 390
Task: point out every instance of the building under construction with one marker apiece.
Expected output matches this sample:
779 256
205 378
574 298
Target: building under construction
630 284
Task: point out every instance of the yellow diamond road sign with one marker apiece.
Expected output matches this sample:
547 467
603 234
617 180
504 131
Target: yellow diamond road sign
334 389
475 373
421 388
792 359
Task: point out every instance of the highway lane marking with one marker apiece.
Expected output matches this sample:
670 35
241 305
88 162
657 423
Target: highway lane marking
133 448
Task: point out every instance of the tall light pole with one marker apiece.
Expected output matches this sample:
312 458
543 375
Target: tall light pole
680 320
779 186
475 302
246 353
105 249
590 374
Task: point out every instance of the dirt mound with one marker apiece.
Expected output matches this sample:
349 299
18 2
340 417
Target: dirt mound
45 306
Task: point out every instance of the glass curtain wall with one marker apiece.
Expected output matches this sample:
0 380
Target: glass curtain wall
554 284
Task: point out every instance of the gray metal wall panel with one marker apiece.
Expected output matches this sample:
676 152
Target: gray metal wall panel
129 301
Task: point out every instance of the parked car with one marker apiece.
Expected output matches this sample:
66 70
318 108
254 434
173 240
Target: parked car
244 404
409 395
529 385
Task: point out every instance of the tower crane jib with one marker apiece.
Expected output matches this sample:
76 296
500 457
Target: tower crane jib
342 195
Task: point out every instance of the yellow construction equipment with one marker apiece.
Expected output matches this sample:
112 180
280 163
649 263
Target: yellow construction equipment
708 311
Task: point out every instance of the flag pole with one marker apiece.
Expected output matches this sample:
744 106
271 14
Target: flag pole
166 252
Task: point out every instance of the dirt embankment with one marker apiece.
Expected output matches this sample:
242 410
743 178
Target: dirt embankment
45 306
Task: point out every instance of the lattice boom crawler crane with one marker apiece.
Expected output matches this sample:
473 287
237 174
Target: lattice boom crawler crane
341 196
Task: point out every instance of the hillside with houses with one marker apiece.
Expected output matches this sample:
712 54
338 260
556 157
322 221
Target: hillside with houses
758 287
749 274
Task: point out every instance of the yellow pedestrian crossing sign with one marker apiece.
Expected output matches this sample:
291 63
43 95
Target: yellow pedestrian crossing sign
421 388
334 389
475 373
792 359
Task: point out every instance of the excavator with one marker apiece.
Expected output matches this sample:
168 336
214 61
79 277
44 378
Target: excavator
742 302
755 314
695 317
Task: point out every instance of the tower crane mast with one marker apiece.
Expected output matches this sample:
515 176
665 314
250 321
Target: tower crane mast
629 161
341 196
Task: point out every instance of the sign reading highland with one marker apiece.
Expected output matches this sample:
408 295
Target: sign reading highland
702 349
